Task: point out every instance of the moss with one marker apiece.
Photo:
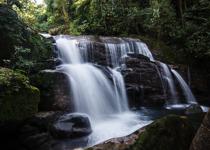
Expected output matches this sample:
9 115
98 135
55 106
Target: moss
18 99
169 133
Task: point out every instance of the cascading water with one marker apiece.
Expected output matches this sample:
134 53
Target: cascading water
167 76
102 98
93 93
118 52
185 88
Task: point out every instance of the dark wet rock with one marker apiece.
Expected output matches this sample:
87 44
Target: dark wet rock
135 94
193 108
46 64
71 126
39 141
98 52
139 56
202 137
43 120
169 133
34 133
142 77
54 91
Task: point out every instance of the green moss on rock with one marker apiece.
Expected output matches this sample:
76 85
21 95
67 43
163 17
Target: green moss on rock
169 133
18 99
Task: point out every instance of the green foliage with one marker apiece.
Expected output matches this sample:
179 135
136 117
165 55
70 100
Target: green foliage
58 16
14 30
20 58
182 25
18 99
19 44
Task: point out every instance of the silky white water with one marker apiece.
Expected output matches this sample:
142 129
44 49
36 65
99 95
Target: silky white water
185 88
93 93
167 76
118 52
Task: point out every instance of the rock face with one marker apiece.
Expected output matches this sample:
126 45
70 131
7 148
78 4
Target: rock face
143 82
96 51
201 140
18 99
169 133
71 126
54 91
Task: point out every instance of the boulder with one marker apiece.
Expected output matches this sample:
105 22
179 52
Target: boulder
169 133
201 140
71 126
55 94
18 99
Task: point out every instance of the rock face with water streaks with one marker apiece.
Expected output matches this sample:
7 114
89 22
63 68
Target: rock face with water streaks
201 140
143 82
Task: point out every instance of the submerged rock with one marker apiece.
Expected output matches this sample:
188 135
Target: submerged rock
71 126
18 99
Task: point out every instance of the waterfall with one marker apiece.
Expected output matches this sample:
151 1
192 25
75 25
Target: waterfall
168 78
118 52
93 93
185 88
97 91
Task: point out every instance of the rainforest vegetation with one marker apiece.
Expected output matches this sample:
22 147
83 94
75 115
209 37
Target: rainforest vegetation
180 28
176 31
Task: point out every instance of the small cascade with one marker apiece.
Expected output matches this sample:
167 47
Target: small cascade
170 85
185 88
121 95
73 57
118 52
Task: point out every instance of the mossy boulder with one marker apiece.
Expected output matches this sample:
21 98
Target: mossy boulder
169 133
18 99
